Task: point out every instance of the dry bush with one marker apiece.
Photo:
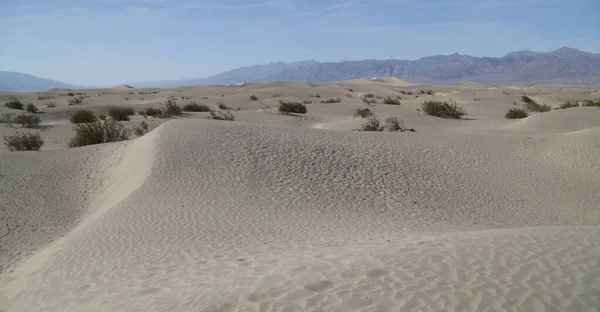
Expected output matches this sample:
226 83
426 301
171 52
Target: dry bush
292 107
99 132
193 107
391 101
83 116
120 113
363 113
445 109
372 124
220 115
14 104
332 100
516 113
23 142
31 108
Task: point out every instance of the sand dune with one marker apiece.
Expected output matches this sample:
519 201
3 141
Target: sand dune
298 213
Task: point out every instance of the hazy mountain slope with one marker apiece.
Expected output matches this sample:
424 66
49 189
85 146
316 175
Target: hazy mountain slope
18 82
562 66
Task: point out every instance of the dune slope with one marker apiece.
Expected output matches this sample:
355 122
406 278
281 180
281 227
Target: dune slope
217 216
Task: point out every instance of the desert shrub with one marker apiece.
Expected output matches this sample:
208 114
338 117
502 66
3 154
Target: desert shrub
391 101
292 107
430 92
409 93
445 109
569 104
535 107
150 111
403 92
393 125
222 106
363 113
71 94
102 116
31 108
14 104
332 100
369 95
23 142
369 101
306 102
99 132
171 108
76 101
83 116
516 113
50 104
120 113
253 98
527 99
220 115
372 124
315 95
591 103
193 107
27 120
142 129
7 119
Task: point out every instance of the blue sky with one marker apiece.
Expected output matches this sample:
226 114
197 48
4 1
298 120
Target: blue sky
99 42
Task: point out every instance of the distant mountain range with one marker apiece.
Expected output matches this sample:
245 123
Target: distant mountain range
564 66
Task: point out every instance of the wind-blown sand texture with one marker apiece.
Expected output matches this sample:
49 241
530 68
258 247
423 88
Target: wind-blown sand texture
293 212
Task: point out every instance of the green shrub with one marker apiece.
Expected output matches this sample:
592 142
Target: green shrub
31 108
372 124
516 113
445 109
222 106
220 115
71 94
99 132
23 142
533 106
332 100
363 113
292 107
253 98
27 120
14 104
569 104
391 101
83 116
193 107
120 113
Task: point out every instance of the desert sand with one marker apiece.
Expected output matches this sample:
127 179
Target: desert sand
275 212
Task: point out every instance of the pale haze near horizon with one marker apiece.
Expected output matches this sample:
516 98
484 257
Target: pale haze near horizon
103 42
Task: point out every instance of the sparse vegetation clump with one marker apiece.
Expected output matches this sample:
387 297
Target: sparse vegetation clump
31 108
516 113
393 125
372 124
14 104
99 132
150 111
50 104
445 109
120 113
83 116
332 100
76 101
391 101
193 107
588 103
27 120
315 95
292 107
369 95
369 101
569 104
142 129
253 98
306 102
363 113
220 115
23 142
222 106
533 106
